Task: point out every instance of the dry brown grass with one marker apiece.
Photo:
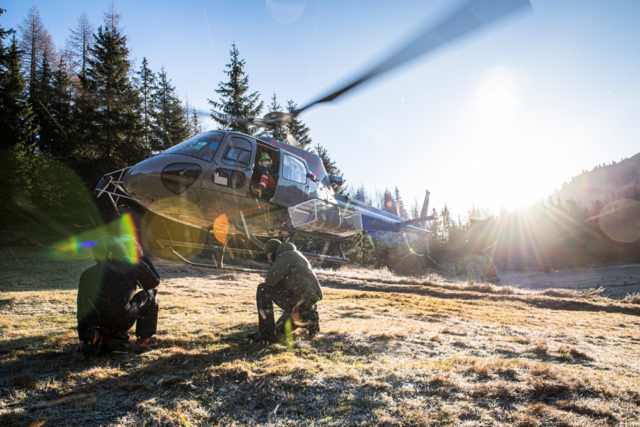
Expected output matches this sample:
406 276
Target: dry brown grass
392 351
633 298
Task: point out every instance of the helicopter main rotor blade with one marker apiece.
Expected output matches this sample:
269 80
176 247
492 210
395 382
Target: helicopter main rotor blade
228 118
472 16
265 122
255 121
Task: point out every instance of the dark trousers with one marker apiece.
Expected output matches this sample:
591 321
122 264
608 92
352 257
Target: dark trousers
301 312
141 310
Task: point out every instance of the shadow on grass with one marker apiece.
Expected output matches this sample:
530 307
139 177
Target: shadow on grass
158 386
166 375
432 290
29 341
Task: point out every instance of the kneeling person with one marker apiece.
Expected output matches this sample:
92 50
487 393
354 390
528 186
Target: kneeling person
108 304
293 286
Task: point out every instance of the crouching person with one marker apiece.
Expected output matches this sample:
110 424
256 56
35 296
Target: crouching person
293 286
108 304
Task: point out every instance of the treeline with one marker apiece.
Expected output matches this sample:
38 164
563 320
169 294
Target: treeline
86 109
85 104
548 235
80 110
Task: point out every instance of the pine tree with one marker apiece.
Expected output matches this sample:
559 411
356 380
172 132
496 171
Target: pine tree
275 107
35 43
61 108
195 124
17 120
297 128
108 107
445 224
361 194
146 83
169 120
50 51
389 202
330 167
378 200
42 98
193 119
415 209
4 52
435 239
79 44
401 209
32 35
234 97
111 17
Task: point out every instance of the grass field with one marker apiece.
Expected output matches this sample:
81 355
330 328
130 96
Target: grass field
392 351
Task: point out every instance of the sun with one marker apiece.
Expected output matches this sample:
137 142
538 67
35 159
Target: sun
497 98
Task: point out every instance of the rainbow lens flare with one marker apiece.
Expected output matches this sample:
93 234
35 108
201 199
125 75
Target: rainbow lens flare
73 246
79 246
126 226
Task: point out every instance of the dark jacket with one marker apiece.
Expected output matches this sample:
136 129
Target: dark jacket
291 271
106 289
269 176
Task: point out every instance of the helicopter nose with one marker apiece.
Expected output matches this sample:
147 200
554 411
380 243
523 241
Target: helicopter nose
160 177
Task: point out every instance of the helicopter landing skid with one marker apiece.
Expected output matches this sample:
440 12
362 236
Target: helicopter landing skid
241 226
170 245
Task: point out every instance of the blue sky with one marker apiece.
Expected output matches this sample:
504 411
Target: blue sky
500 118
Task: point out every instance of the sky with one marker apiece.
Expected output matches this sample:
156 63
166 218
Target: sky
501 118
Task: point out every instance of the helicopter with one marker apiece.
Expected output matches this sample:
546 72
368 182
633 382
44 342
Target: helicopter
209 181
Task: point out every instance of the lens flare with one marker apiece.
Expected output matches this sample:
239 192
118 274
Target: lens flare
73 247
177 219
620 220
221 228
127 227
79 246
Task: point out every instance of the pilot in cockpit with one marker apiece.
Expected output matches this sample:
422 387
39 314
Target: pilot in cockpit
265 177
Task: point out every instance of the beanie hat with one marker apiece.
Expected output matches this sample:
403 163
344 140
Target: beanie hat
271 246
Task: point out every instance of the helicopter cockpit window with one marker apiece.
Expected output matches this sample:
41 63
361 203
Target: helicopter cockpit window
294 170
202 146
238 153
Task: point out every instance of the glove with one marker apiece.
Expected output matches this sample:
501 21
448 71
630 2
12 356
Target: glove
257 191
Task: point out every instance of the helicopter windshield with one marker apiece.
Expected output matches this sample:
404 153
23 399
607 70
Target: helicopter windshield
202 146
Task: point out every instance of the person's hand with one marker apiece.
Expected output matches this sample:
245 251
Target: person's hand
258 192
78 348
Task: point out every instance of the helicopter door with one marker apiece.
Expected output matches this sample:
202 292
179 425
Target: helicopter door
293 185
231 171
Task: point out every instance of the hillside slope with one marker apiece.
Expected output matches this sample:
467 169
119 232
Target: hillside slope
617 181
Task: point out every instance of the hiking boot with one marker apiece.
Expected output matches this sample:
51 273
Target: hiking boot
311 321
255 336
93 342
145 344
